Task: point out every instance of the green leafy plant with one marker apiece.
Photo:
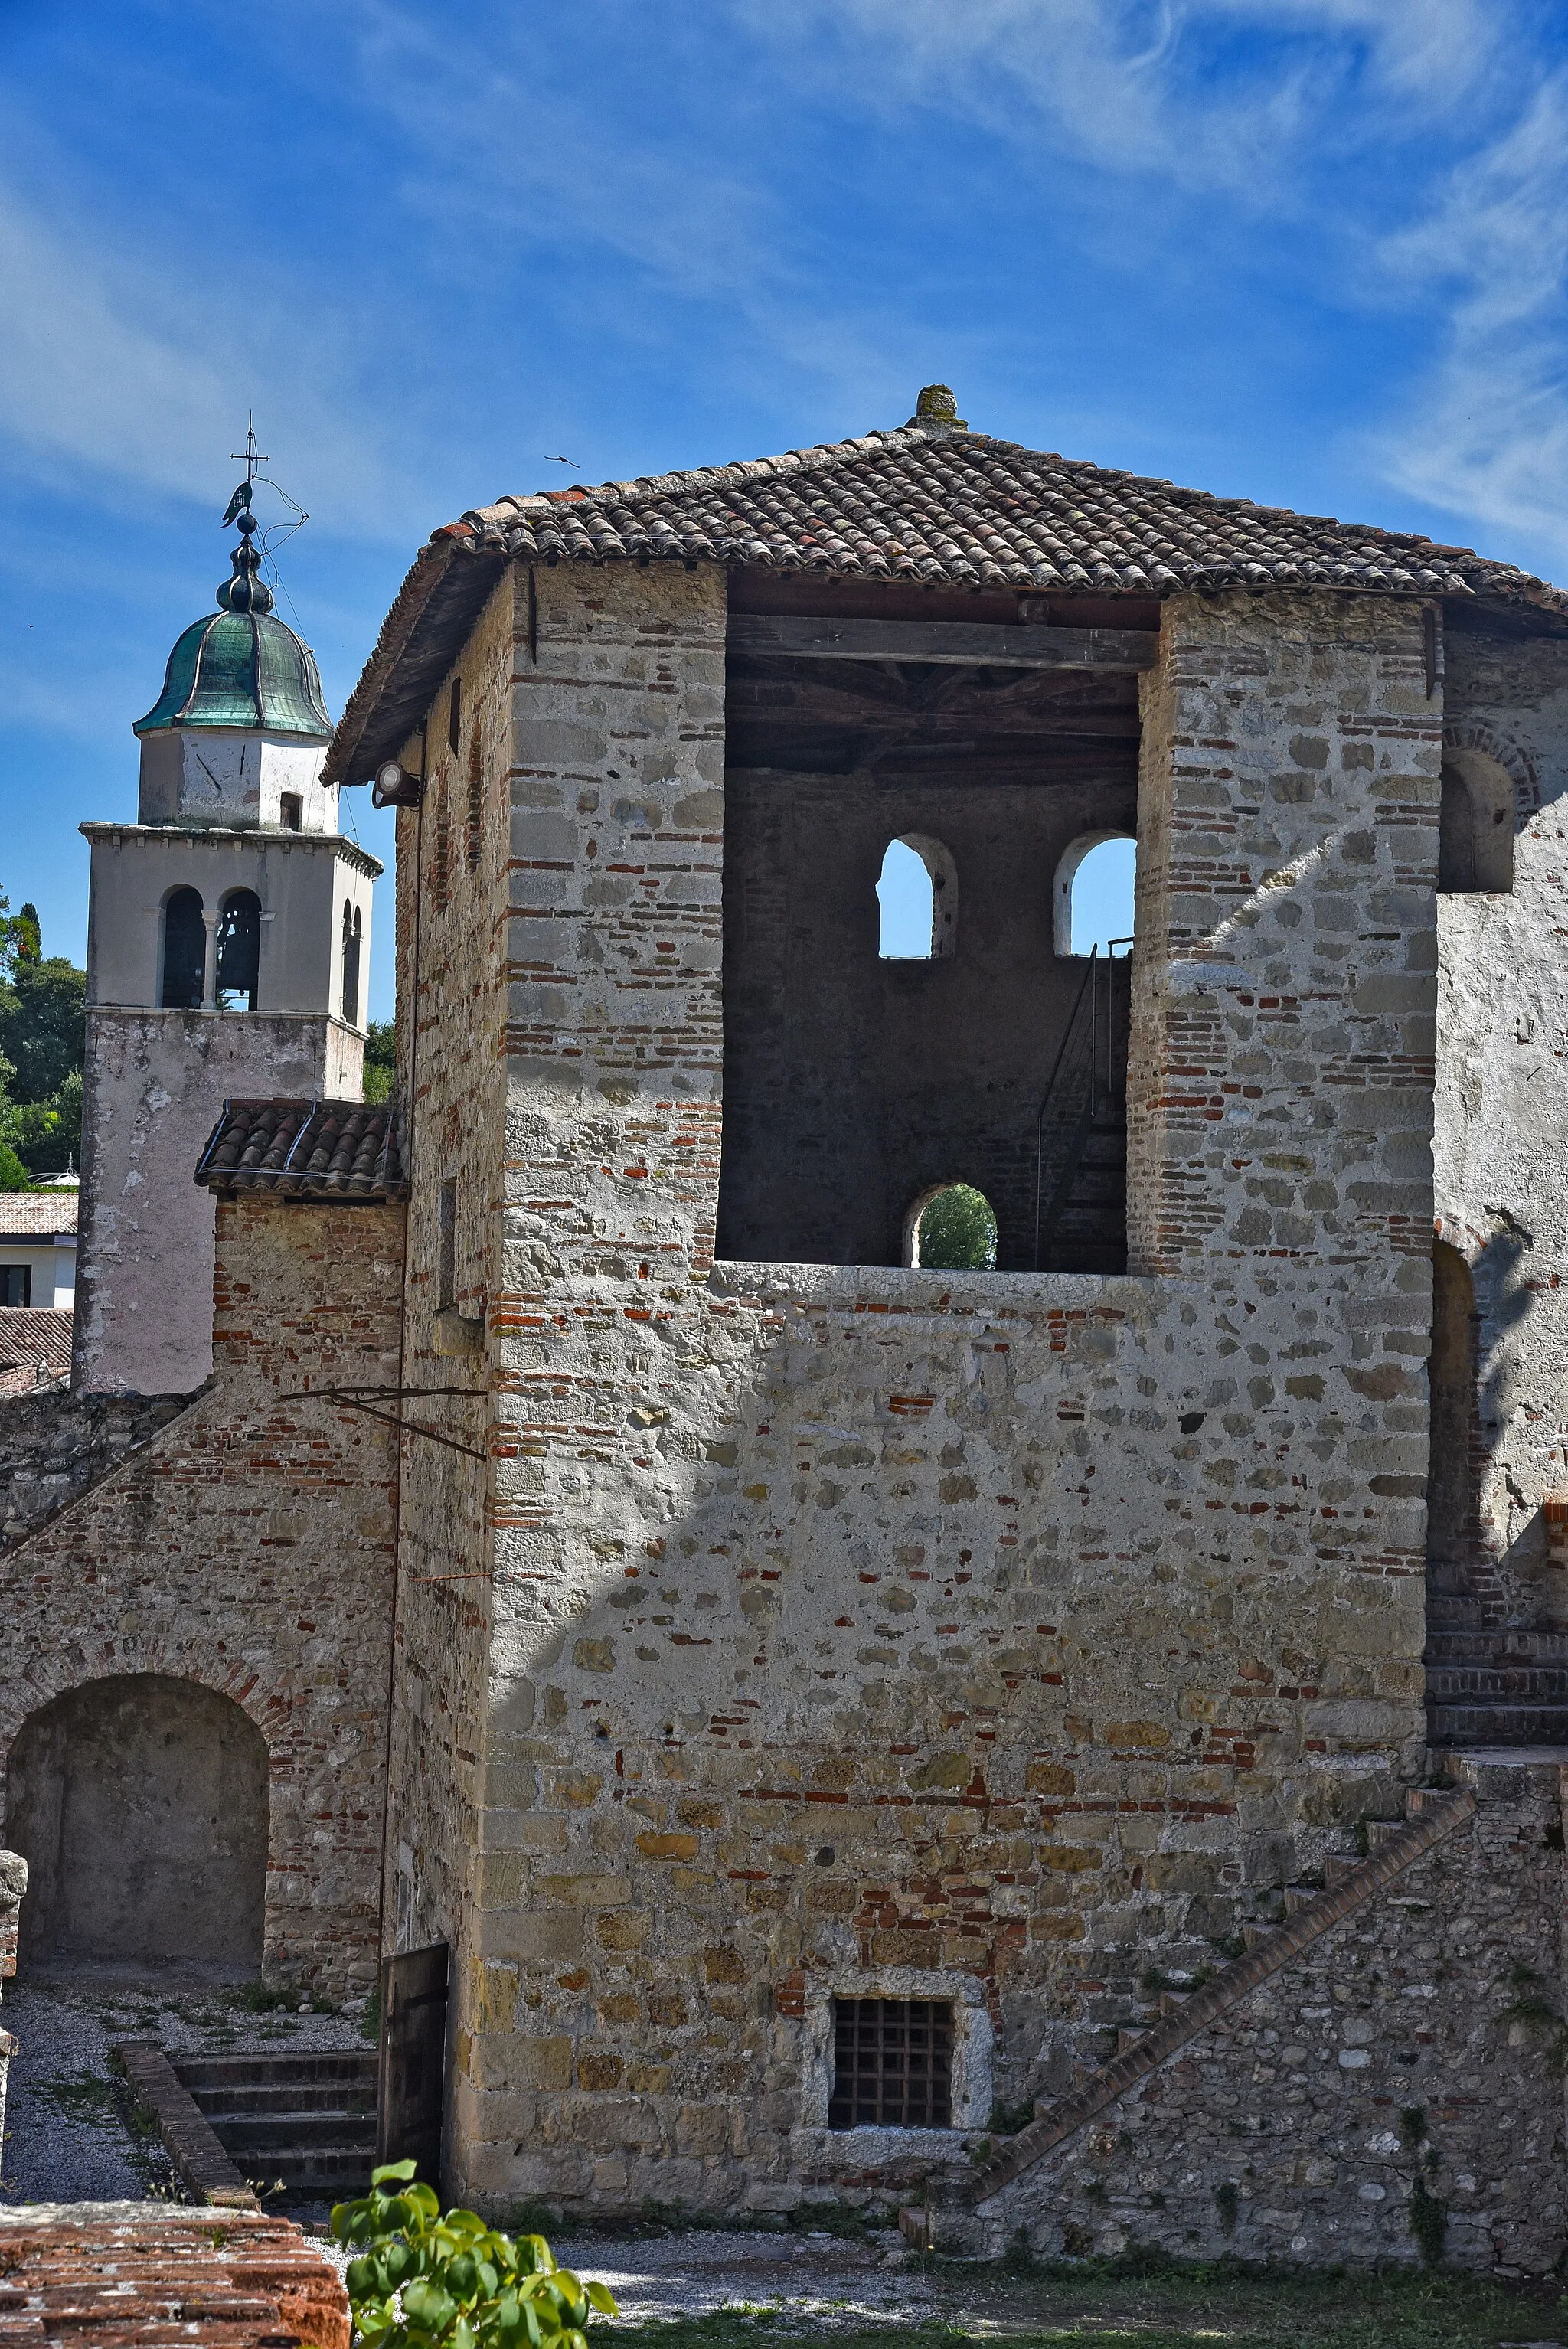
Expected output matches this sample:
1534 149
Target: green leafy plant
421 2278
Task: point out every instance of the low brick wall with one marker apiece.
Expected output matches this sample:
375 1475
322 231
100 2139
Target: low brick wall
127 2272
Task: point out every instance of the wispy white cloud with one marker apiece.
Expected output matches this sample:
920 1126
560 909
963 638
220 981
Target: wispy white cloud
1218 94
136 363
1485 434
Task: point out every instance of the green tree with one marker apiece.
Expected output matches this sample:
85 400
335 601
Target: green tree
43 1038
958 1231
380 1059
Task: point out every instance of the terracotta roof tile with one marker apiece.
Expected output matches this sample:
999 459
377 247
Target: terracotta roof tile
34 1347
306 1150
946 508
134 2276
37 1213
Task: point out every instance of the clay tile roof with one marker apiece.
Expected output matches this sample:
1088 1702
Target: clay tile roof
36 1215
35 1346
306 1150
946 508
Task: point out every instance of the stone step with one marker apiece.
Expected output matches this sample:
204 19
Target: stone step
1381 1831
1338 1866
1297 1897
1497 1683
1422 1800
248 2137
1171 2001
1498 1645
1126 2039
1252 1934
332 2096
261 2070
1497 1724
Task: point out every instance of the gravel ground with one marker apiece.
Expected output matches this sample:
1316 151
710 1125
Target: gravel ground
71 2133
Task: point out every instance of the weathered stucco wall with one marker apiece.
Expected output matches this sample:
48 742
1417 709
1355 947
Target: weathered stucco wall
882 1629
1501 1105
247 1545
155 1082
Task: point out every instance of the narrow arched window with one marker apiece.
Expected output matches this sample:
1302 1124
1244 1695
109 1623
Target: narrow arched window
239 951
474 829
917 893
1092 899
184 951
952 1229
1475 825
1452 1374
353 933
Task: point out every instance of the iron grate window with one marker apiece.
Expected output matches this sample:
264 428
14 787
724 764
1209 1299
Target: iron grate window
892 2063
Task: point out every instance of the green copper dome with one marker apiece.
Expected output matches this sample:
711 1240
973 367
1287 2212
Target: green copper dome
240 667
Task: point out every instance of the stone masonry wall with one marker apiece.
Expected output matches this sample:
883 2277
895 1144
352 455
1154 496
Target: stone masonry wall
247 1544
1396 2094
54 1445
888 1630
1502 1104
451 865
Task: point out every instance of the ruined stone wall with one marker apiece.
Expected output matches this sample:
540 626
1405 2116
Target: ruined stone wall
1394 2095
883 1631
1501 1105
451 927
247 1544
54 1445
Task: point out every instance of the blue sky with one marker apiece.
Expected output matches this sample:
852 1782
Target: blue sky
1310 252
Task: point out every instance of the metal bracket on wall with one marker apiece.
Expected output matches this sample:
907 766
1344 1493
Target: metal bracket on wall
354 1398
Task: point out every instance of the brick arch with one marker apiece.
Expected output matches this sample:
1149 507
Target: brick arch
1516 764
57 1674
143 1803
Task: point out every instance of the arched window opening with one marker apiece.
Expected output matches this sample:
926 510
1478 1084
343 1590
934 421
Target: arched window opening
140 1803
1451 1372
918 896
1475 825
474 830
353 934
239 951
952 1229
184 951
1093 899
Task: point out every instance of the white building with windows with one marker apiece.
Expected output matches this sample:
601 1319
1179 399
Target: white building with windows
227 956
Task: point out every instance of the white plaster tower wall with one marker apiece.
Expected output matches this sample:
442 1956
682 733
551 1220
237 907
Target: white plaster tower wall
228 957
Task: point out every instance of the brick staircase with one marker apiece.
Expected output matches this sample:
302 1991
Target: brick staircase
1493 1684
307 2119
955 2219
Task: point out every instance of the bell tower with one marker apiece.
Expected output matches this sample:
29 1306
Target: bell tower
228 957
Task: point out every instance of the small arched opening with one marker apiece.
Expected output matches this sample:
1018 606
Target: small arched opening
1475 825
140 1803
1452 1376
239 951
917 893
1092 899
353 938
950 1228
184 975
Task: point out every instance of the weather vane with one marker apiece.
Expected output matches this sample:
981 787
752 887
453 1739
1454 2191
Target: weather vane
250 456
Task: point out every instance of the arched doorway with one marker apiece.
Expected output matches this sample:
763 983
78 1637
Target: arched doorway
140 1803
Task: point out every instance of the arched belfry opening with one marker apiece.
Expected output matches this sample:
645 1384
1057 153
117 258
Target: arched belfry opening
140 1803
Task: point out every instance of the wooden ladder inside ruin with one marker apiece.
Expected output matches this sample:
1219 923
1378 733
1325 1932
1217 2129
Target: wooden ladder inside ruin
1433 1813
1080 1131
